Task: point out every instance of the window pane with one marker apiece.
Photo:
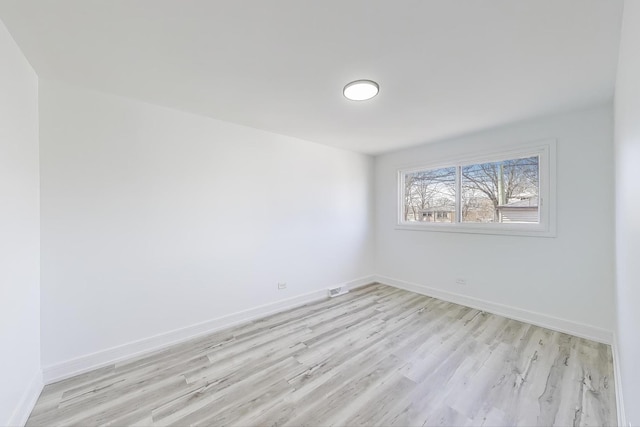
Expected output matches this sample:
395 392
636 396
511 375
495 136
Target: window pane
505 191
430 195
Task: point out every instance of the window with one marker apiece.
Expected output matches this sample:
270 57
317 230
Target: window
428 193
500 193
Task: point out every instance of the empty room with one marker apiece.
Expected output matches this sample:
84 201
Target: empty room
319 213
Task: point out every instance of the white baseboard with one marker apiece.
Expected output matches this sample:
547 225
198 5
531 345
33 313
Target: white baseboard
29 398
622 418
358 283
119 353
538 319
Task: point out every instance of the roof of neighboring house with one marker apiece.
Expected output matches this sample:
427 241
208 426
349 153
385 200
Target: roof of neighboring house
525 203
444 208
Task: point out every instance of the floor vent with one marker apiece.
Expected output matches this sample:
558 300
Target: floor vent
340 290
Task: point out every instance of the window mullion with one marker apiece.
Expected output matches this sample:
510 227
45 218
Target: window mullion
458 194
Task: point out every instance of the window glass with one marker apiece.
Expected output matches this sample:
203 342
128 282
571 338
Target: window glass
430 195
505 191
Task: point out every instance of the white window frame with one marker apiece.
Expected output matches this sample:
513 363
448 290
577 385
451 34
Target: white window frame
545 150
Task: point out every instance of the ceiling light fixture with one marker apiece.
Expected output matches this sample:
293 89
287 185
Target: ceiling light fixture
361 90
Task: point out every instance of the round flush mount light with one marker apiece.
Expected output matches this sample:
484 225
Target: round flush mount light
361 90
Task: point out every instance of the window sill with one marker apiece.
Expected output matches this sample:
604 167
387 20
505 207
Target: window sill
522 230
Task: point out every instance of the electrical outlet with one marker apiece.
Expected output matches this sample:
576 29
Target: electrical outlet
282 285
461 281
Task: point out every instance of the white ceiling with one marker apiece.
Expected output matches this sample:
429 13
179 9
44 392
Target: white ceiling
444 67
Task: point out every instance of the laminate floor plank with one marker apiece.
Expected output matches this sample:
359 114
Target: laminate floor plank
375 356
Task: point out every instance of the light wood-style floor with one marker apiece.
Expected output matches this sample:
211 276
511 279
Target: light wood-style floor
376 356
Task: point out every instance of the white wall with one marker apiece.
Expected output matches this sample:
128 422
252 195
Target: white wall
155 219
19 235
627 159
569 277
